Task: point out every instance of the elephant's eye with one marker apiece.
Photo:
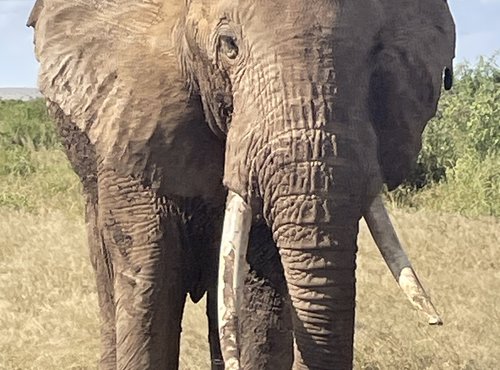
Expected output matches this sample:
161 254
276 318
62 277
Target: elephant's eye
228 46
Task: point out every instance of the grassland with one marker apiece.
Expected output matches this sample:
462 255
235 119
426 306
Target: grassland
48 308
448 218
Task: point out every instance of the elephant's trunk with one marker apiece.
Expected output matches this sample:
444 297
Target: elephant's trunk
311 187
316 231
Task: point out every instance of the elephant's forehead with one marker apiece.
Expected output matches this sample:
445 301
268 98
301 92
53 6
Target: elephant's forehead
296 18
299 12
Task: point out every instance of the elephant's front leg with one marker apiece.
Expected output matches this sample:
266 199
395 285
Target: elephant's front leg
143 237
265 326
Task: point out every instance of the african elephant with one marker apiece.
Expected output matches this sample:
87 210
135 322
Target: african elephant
300 109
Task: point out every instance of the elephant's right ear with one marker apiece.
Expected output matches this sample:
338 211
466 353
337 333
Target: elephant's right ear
74 45
412 54
105 63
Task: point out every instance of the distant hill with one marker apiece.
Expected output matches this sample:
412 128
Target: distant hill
19 93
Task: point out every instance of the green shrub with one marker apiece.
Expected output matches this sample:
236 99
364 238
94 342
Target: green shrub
473 186
45 182
34 172
16 161
26 124
24 127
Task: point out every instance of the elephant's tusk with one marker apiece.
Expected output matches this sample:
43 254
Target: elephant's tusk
387 241
232 270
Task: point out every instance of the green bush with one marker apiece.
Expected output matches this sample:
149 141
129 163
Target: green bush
16 161
34 172
26 124
458 167
24 127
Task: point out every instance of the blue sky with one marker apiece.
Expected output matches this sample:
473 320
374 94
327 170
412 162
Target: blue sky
478 31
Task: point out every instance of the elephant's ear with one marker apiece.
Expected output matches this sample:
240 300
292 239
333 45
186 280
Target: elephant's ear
411 52
105 63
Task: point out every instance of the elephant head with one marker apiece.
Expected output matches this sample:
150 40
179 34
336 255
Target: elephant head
321 102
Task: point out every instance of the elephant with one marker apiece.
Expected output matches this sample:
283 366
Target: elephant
269 125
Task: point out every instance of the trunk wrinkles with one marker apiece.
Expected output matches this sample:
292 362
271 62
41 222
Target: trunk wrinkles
310 175
311 181
312 200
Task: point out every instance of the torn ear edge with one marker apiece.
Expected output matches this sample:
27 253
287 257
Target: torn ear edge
35 12
448 78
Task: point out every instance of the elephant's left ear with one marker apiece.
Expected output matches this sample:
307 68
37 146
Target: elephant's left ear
410 61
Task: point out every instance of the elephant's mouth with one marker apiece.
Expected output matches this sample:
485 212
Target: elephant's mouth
233 267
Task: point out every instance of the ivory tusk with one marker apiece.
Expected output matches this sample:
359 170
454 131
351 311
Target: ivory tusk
232 270
387 241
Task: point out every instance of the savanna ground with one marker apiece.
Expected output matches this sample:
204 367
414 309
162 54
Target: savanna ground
448 216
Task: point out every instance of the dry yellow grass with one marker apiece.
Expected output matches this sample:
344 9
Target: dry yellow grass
48 310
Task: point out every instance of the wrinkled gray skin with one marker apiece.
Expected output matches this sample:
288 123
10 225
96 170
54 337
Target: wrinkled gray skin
313 104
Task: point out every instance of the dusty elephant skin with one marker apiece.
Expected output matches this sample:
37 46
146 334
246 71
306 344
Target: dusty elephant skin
302 108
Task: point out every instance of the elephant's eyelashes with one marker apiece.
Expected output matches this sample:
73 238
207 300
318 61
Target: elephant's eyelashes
228 46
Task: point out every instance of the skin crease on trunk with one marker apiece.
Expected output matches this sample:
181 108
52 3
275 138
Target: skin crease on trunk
303 108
